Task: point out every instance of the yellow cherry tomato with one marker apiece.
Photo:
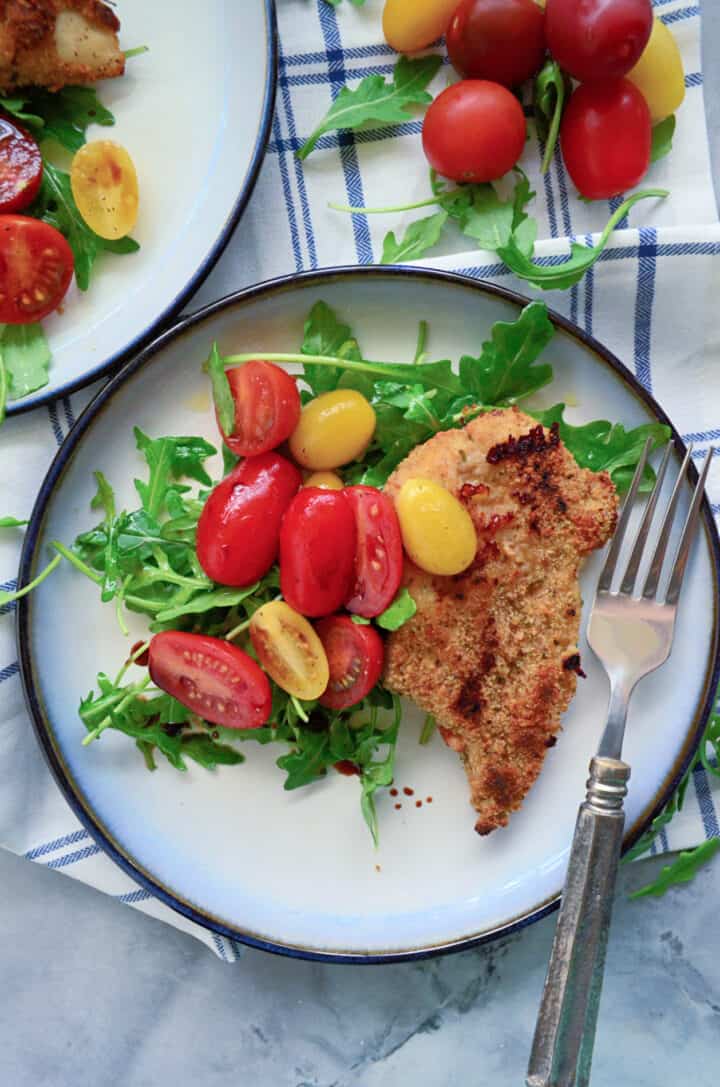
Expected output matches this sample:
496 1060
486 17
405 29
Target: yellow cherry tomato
334 429
437 531
659 73
105 186
409 25
329 481
289 650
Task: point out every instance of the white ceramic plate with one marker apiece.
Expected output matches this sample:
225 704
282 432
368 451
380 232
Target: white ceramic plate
195 114
297 871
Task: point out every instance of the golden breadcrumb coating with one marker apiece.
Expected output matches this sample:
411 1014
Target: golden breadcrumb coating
492 652
49 43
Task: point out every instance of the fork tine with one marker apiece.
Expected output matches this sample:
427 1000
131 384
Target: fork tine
608 569
653 578
688 535
628 581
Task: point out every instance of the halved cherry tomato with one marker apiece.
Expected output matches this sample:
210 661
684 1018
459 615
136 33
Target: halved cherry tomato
595 40
239 528
502 40
606 137
267 407
474 131
21 167
317 551
105 187
355 656
213 678
36 266
379 554
289 650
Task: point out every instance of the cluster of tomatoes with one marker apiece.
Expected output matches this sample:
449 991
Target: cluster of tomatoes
36 262
627 65
339 549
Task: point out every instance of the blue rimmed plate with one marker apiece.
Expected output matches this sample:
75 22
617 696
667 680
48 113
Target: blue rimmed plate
195 113
296 872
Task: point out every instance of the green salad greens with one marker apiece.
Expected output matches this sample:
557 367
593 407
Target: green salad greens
144 560
59 121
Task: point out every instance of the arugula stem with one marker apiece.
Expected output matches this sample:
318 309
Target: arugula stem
77 562
239 629
554 128
349 209
398 371
131 660
625 208
421 342
107 721
428 729
7 598
299 709
137 51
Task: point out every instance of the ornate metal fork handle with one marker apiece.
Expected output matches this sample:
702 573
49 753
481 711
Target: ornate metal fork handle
631 632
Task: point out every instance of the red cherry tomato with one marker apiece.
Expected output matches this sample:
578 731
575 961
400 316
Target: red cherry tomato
379 555
474 131
595 40
355 657
267 407
21 167
36 266
317 551
213 678
501 40
239 528
605 137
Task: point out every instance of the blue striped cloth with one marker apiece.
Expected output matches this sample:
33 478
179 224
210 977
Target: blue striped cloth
652 299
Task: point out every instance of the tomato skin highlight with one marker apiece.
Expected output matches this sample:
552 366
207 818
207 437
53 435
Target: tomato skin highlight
239 528
267 407
211 677
606 136
21 167
36 267
317 552
474 131
379 554
355 656
499 40
597 40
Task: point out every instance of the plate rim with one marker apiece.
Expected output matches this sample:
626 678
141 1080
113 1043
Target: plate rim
33 700
167 317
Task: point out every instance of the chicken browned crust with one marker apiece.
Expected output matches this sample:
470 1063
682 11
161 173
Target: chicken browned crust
49 43
492 652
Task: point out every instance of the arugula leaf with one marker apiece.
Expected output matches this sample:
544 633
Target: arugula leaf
12 522
376 100
662 138
420 236
336 3
170 459
25 359
222 395
682 870
325 334
62 115
505 370
55 204
397 614
604 446
3 389
551 90
206 752
221 597
561 276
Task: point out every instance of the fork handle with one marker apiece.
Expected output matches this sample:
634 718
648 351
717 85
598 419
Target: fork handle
565 1032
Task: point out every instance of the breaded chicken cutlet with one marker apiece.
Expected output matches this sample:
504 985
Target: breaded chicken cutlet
49 43
492 652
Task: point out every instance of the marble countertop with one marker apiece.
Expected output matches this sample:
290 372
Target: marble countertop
98 994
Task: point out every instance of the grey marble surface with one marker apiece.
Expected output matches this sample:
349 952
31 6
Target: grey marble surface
96 994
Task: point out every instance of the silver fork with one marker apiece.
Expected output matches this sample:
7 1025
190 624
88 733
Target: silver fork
631 632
